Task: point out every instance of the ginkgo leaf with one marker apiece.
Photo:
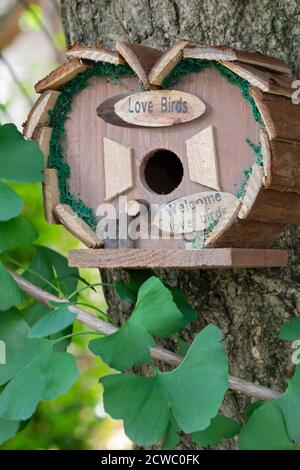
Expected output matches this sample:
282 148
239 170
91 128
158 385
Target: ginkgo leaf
129 346
8 429
192 393
182 304
221 427
290 331
289 404
171 437
52 323
54 267
44 377
155 309
16 233
21 161
129 290
33 370
10 292
265 430
10 203
143 404
155 313
35 312
205 371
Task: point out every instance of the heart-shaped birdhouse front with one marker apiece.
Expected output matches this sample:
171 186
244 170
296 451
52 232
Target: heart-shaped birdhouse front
186 158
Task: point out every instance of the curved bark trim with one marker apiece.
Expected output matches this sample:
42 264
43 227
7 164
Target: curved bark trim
227 53
61 75
140 58
95 54
167 62
39 114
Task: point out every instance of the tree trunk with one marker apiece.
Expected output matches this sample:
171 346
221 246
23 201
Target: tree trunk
248 305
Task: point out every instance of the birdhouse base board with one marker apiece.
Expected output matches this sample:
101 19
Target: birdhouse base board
210 258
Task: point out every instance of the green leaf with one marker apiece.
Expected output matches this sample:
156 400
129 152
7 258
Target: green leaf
35 312
14 331
251 408
155 313
16 233
21 160
171 438
54 322
129 290
220 428
8 429
143 404
203 378
289 404
290 331
192 393
54 267
10 203
265 430
185 308
33 372
182 347
10 292
129 346
67 277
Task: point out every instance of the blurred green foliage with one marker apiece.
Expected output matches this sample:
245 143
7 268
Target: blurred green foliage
72 420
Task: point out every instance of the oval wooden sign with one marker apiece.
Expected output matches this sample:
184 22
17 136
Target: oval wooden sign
159 108
195 212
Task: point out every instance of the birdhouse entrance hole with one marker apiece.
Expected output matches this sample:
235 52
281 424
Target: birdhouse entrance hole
162 171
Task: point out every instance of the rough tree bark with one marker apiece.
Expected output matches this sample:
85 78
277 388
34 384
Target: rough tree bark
248 305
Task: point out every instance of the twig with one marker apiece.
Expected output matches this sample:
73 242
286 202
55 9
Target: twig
161 354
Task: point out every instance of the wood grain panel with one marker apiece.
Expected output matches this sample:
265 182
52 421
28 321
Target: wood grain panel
281 117
162 258
85 132
247 234
281 160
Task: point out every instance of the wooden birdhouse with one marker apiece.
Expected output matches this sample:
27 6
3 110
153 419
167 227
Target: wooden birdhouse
187 158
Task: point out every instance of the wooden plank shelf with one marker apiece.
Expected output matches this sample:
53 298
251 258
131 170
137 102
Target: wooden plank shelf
211 258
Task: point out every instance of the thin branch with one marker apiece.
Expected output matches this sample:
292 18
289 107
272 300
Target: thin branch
161 354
